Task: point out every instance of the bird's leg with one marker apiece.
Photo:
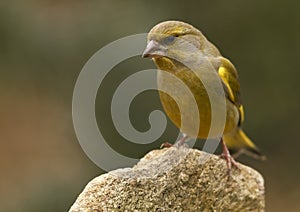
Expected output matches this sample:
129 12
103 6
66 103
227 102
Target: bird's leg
181 141
178 143
229 159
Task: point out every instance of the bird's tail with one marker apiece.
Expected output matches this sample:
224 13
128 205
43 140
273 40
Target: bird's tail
238 142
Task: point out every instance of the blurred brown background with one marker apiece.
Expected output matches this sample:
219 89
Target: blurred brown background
44 44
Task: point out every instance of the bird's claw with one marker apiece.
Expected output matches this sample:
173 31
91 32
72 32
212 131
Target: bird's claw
165 145
178 143
229 161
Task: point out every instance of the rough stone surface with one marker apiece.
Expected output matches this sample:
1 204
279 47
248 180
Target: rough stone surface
175 179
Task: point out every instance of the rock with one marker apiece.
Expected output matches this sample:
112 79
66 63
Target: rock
175 179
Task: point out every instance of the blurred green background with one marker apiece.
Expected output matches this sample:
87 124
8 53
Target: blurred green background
44 44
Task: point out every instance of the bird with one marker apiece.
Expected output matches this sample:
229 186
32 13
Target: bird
180 49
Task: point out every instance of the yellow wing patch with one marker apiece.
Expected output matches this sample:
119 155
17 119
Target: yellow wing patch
225 77
242 114
229 76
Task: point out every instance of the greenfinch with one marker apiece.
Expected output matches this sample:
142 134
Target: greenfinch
164 46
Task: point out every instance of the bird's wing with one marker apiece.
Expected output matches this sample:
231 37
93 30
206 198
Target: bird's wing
230 78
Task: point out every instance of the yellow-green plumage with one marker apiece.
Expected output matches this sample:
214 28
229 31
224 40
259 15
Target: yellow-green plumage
159 48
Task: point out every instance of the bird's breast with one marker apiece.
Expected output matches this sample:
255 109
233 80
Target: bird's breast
178 105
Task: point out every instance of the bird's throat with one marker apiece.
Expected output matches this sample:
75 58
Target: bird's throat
169 65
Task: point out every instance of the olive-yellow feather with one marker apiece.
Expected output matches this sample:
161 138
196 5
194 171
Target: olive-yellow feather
165 39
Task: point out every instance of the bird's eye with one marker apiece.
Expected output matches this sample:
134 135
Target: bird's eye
170 39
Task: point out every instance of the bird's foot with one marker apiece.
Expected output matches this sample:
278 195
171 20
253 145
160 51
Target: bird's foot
231 163
165 145
178 143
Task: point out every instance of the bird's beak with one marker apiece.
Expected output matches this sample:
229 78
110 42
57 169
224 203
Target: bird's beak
154 49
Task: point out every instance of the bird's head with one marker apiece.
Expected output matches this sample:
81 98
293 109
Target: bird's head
177 41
